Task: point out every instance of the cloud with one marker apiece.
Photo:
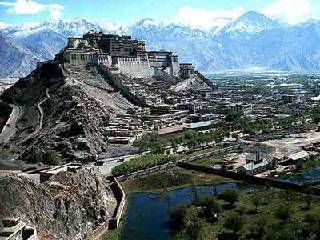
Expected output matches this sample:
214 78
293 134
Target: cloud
206 19
290 11
33 7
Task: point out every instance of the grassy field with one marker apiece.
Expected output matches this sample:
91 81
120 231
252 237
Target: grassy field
170 180
209 161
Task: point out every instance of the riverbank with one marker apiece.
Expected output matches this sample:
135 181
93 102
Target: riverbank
170 180
161 183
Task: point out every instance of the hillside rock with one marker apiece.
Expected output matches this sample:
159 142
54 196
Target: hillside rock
68 207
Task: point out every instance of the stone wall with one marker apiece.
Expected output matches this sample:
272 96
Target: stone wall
116 80
121 199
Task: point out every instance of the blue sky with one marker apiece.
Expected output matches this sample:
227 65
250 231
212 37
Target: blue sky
198 13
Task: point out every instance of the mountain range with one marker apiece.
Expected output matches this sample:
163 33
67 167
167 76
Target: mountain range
250 42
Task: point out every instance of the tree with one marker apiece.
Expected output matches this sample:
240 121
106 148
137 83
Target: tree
194 230
257 229
308 197
177 216
230 196
255 201
47 157
210 207
311 218
283 234
233 117
283 212
234 223
174 144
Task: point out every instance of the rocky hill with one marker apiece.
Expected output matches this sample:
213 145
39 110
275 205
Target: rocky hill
61 113
68 207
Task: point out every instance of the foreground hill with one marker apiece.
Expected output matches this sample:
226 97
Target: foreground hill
69 206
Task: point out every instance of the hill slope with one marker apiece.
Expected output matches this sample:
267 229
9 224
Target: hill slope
63 112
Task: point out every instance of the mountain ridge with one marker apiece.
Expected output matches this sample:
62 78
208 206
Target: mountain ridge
252 41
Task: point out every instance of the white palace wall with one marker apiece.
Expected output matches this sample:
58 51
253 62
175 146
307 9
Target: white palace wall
135 68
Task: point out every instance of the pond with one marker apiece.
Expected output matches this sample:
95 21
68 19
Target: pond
147 215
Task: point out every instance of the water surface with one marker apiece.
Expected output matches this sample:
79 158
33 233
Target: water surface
147 215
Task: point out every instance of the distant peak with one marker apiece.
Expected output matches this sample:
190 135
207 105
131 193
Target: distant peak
149 21
253 13
251 22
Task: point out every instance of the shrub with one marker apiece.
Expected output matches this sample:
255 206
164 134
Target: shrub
230 196
177 216
210 207
47 157
234 223
283 212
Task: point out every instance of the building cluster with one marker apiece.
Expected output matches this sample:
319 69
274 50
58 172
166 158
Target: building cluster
173 96
125 128
122 54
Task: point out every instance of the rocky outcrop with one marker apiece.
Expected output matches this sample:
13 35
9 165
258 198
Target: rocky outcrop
76 106
70 206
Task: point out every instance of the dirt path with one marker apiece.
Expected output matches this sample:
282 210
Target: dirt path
10 128
41 110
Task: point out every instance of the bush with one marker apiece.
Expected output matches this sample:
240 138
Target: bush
230 196
47 157
142 162
210 207
283 212
234 223
177 216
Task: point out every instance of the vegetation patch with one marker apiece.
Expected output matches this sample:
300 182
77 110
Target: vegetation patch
142 162
170 180
48 157
190 138
263 214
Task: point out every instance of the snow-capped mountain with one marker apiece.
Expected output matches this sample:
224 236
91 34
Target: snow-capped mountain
39 42
250 23
252 41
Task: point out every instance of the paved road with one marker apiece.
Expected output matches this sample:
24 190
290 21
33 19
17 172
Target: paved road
10 128
109 163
